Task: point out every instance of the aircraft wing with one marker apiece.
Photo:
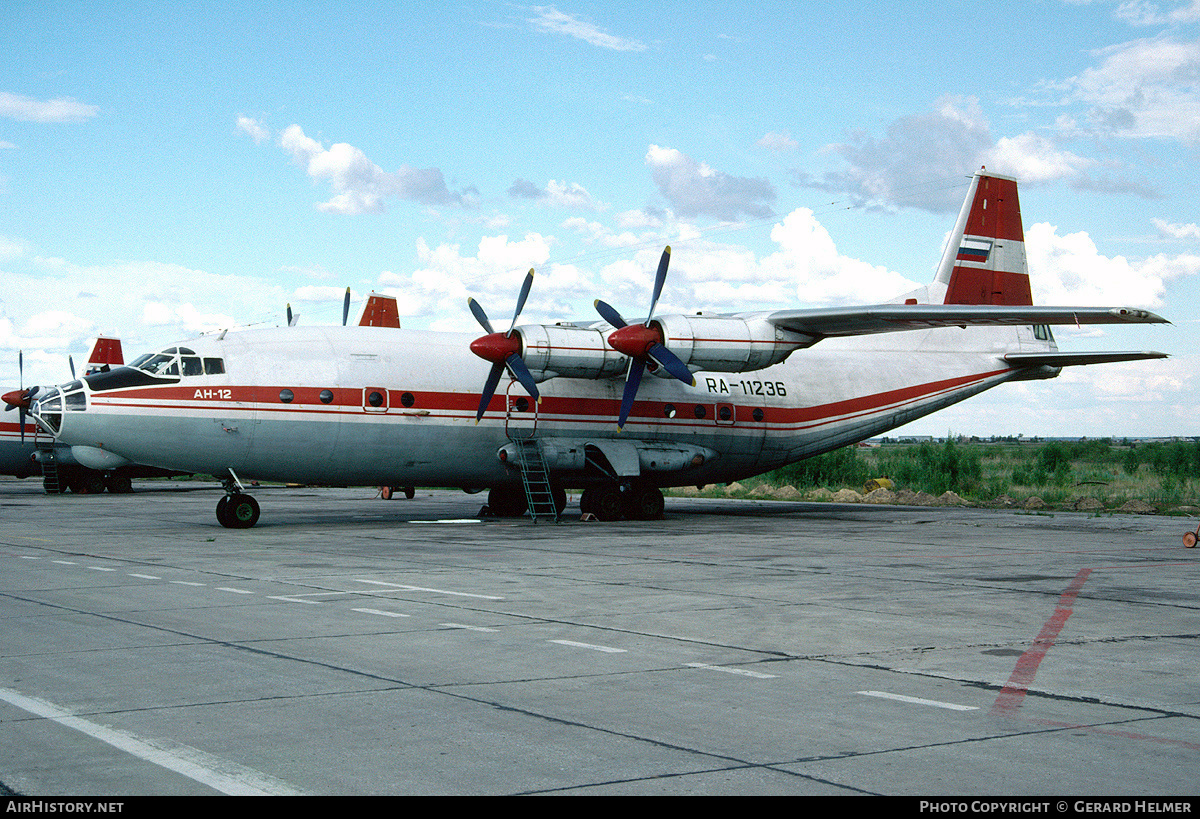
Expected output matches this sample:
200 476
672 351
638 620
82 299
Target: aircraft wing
826 322
1069 359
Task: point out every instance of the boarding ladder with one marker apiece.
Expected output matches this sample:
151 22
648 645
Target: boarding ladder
536 479
48 458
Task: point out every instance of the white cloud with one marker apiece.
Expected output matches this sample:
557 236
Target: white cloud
550 20
779 143
695 189
254 128
1142 13
1034 158
361 186
1069 270
60 109
555 194
1145 89
1177 231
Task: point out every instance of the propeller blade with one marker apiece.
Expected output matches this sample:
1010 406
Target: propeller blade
480 316
516 366
521 301
633 379
71 364
290 322
669 361
607 313
346 308
489 389
22 424
659 279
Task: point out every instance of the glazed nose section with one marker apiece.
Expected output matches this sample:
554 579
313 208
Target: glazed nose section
49 407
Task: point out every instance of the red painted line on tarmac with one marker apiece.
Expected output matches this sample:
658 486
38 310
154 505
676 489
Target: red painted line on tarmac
1013 693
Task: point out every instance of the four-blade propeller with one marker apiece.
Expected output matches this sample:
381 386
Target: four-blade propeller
21 398
643 343
503 350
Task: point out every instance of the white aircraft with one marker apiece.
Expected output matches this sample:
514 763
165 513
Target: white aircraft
736 395
25 450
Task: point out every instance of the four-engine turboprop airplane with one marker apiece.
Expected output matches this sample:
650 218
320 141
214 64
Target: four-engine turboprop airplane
736 395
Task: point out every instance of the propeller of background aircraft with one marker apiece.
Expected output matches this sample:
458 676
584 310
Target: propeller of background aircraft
503 350
20 398
643 343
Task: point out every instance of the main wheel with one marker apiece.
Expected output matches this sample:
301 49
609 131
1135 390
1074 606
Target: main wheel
507 502
644 503
1189 540
237 511
606 503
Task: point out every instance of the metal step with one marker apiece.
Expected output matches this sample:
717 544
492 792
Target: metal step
536 479
50 478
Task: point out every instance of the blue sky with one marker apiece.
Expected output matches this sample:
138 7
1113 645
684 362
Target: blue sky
167 169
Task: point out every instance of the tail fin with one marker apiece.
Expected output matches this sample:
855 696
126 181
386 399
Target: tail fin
984 262
381 311
105 355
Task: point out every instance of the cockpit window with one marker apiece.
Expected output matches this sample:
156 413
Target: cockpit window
175 361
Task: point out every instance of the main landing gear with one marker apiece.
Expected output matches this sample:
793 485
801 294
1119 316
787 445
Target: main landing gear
638 501
236 510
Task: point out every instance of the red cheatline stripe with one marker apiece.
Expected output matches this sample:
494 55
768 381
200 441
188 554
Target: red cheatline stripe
1013 693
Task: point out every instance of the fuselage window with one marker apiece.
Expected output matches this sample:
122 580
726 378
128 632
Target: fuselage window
700 411
286 396
375 399
1042 332
407 399
192 365
326 396
669 410
214 366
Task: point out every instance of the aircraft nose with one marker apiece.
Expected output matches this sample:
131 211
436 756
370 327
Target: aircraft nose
16 398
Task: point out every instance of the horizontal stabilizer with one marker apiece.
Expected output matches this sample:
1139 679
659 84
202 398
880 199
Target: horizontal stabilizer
1069 359
825 322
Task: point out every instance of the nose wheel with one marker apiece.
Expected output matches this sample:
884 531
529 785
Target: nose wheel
237 511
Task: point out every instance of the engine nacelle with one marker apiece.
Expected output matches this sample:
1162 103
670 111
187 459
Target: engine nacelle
564 350
729 344
724 344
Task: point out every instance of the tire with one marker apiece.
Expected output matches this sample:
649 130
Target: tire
1189 540
119 484
607 504
385 492
507 502
238 511
645 503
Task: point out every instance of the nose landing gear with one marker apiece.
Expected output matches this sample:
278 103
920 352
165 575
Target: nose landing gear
236 510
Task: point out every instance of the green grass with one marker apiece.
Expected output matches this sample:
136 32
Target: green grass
1059 473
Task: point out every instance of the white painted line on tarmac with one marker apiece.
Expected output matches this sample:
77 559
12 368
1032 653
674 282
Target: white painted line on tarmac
146 576
468 628
218 774
63 562
185 583
295 600
421 588
100 569
917 700
743 672
381 612
608 649
29 557
235 591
